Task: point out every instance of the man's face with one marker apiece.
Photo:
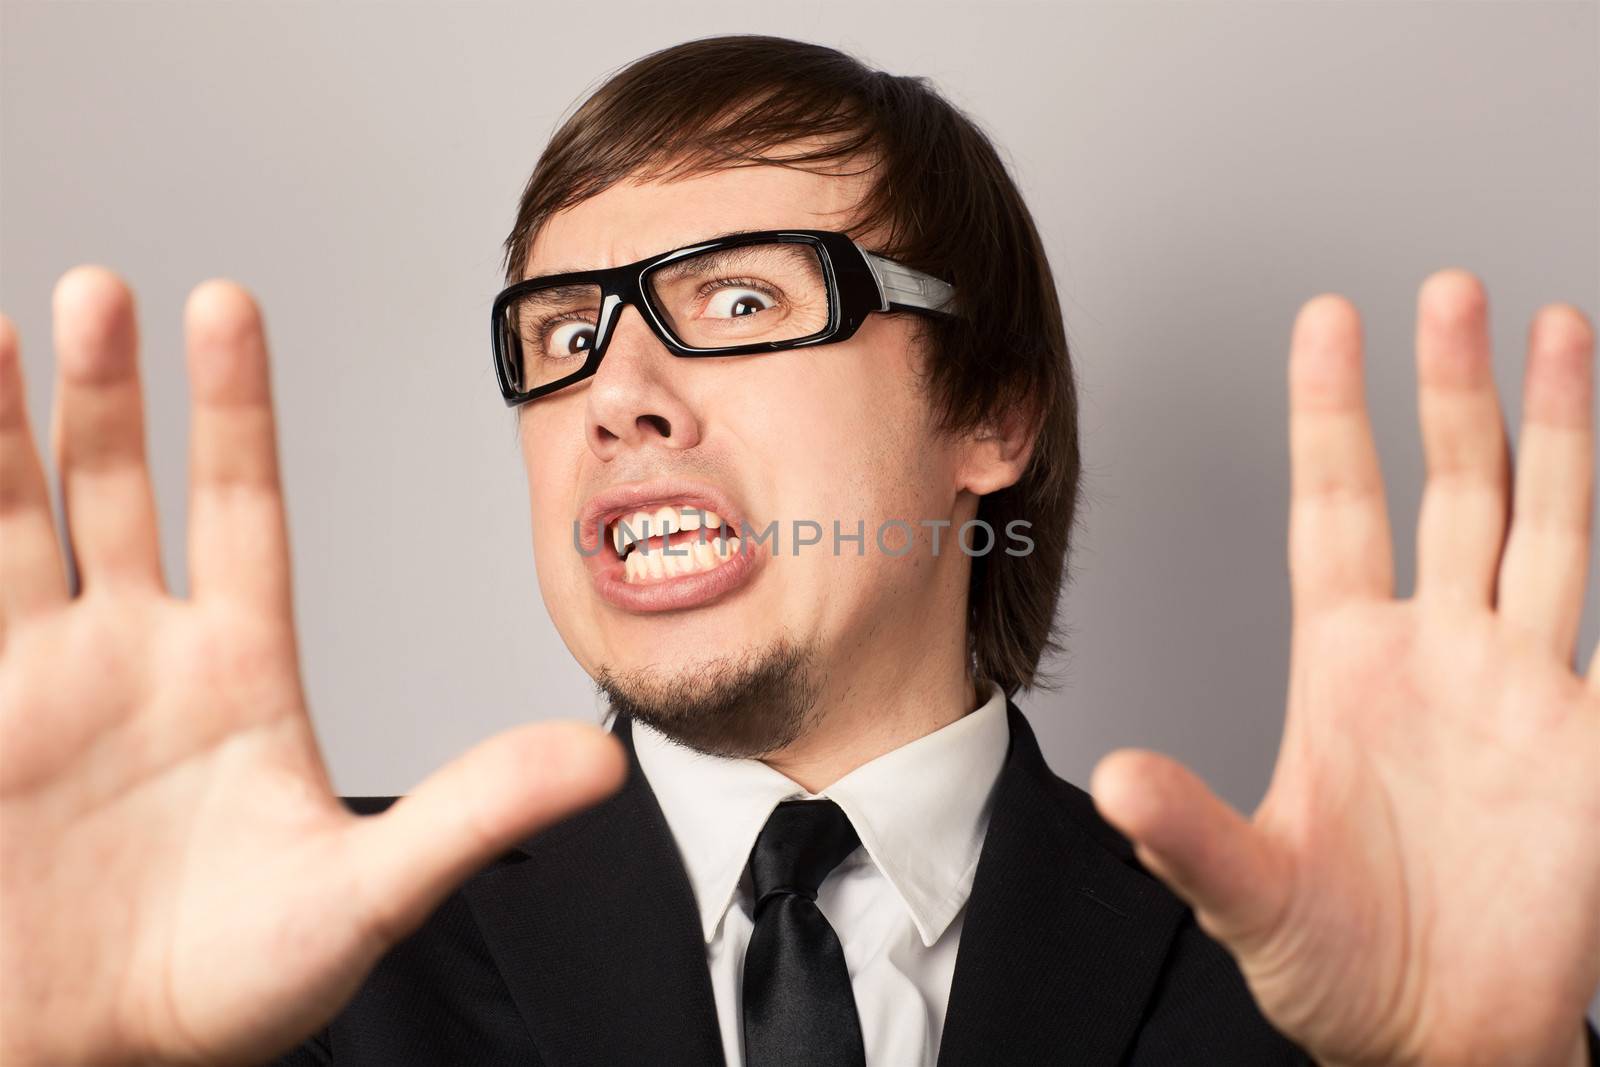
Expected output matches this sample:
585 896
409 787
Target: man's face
735 657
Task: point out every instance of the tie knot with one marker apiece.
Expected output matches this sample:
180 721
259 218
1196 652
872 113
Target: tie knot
802 841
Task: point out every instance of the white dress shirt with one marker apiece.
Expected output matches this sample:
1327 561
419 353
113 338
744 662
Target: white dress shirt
897 902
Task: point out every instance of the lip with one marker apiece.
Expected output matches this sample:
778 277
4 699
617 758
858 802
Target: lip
676 593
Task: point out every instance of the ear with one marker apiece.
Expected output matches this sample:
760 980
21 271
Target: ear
995 454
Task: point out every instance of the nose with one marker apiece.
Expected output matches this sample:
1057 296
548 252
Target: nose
633 398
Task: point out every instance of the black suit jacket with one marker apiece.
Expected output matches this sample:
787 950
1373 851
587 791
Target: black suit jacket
583 946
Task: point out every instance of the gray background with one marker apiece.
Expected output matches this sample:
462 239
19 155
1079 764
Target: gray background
1197 170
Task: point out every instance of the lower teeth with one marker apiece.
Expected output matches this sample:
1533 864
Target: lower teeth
688 557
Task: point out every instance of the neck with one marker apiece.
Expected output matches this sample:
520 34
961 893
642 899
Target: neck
864 717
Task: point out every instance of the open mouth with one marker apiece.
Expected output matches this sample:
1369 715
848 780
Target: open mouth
666 545
671 542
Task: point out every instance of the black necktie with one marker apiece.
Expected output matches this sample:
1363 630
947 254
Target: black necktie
798 1007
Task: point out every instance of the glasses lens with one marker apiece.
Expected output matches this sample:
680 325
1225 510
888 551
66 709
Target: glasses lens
744 295
550 333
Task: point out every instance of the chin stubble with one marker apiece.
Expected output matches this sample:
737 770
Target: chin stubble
741 706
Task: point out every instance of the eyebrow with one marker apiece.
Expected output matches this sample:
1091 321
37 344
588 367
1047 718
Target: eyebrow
723 259
703 240
562 294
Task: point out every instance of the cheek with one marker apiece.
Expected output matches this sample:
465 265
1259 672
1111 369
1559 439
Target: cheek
850 441
840 407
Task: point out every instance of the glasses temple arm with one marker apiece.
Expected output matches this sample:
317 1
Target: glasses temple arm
903 286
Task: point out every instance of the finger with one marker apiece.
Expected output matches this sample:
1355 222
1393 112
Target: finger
1338 521
32 574
1547 554
1209 854
470 811
1462 525
238 538
98 432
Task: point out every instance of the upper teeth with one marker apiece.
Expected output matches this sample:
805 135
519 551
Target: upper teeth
628 530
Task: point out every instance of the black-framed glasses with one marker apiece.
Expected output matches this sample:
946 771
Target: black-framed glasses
744 293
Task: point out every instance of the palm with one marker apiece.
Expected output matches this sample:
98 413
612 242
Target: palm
1421 882
178 882
217 848
1424 799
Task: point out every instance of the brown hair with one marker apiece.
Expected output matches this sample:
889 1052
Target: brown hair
944 204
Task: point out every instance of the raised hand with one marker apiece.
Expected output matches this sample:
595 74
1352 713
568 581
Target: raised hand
1421 882
178 882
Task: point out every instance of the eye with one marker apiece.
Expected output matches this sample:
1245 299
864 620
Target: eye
570 339
736 302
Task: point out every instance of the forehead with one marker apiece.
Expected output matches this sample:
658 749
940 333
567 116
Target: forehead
634 219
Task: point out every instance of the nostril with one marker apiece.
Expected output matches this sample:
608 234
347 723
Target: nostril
658 423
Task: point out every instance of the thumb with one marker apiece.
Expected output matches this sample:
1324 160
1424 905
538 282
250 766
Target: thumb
471 810
1209 854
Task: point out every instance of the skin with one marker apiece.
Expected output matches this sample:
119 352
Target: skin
1421 882
782 434
162 747
1420 885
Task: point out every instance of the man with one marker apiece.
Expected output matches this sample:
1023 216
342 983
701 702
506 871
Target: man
754 285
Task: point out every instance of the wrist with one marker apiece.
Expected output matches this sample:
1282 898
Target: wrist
1577 1055
1580 1052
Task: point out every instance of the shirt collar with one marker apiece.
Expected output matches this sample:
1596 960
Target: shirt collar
920 810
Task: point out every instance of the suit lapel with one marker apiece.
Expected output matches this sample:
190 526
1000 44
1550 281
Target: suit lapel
1063 939
594 927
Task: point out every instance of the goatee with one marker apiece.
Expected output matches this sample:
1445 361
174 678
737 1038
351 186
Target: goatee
741 706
